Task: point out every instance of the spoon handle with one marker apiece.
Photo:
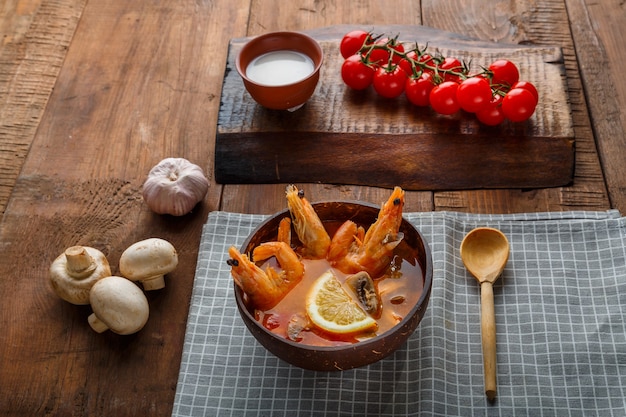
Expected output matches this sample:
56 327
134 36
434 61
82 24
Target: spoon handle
488 331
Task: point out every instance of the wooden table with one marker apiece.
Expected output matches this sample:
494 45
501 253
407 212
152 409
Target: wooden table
93 94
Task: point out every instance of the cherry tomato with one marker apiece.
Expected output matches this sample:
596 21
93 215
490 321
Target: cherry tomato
527 86
356 73
451 64
389 83
379 55
518 105
473 94
406 62
426 59
492 114
352 42
443 98
396 47
504 72
417 89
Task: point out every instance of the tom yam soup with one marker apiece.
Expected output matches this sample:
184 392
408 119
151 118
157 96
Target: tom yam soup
399 288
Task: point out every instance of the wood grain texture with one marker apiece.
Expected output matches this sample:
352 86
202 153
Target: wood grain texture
133 82
266 16
599 36
339 136
140 82
31 54
539 23
502 21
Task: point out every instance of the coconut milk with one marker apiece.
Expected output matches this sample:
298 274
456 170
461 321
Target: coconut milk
280 68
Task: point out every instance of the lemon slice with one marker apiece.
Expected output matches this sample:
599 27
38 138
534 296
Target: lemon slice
331 308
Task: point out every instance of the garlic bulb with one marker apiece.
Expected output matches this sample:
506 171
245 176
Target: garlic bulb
174 186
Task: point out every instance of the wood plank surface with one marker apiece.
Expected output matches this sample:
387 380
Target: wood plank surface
339 135
599 35
31 53
500 21
275 15
536 24
138 81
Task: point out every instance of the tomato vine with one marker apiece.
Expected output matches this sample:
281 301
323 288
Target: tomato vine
445 84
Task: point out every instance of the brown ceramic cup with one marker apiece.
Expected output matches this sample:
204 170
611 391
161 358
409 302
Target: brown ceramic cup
287 96
343 357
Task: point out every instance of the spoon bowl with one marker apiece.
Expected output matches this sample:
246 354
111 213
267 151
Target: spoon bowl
485 252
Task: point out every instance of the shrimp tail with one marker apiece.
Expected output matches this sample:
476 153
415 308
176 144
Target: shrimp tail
289 261
284 230
348 238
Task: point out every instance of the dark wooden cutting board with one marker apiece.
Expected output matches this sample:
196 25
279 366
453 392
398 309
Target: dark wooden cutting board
342 136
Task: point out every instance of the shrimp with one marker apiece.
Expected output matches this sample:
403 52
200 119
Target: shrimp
353 250
308 226
284 230
265 288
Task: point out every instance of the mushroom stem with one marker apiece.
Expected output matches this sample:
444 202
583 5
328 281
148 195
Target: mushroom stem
75 271
153 283
79 263
96 324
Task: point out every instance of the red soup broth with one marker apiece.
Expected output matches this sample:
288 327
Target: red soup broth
399 288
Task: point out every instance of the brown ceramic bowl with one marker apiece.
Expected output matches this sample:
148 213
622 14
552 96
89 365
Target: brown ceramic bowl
368 351
284 96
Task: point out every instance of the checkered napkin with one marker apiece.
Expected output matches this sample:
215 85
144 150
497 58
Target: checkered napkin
560 319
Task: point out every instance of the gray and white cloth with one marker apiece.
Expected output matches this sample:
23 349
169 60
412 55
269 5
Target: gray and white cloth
560 309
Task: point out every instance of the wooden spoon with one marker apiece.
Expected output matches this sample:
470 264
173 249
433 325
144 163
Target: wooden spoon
484 252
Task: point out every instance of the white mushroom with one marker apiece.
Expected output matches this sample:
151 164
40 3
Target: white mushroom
75 271
119 305
148 261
